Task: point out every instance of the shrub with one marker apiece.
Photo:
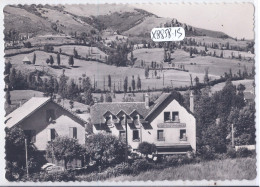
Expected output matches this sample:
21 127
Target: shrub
123 168
140 165
231 152
207 152
105 149
43 176
243 152
27 44
146 148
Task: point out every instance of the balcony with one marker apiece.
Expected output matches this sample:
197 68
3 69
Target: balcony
161 139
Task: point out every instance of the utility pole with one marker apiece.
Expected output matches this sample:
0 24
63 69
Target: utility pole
126 148
232 135
26 158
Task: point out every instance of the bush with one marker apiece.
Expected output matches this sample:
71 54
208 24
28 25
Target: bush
207 152
175 160
27 44
123 168
140 165
243 152
54 177
231 152
146 148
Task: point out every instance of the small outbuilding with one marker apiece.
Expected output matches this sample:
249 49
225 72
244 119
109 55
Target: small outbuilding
26 60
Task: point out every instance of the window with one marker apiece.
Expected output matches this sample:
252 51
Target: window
183 134
167 116
136 136
122 135
30 135
50 115
175 116
160 136
73 132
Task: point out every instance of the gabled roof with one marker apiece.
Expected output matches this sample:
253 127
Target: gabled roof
28 108
98 109
25 59
158 102
25 110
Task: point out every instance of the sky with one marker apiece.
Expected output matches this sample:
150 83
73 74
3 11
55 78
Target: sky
236 20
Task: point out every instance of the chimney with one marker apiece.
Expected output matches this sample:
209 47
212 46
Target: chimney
147 101
191 102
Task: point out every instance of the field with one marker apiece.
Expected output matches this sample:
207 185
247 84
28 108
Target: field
228 53
229 169
22 96
247 82
101 71
83 51
197 64
210 40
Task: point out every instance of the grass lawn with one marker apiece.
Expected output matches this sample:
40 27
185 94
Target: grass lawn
228 169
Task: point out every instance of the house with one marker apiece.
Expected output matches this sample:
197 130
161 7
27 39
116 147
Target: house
166 123
26 60
42 120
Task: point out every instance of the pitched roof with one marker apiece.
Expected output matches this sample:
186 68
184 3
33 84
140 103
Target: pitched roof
25 59
98 109
25 110
28 108
158 102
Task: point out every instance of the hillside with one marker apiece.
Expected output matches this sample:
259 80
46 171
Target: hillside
24 21
39 19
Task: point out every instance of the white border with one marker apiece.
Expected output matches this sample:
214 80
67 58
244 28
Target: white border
4 182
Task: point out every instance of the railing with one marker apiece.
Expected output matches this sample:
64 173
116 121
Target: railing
136 140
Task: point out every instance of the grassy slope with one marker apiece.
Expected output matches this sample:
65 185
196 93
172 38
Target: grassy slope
241 168
24 21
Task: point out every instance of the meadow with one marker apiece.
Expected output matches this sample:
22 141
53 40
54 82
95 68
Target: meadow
228 169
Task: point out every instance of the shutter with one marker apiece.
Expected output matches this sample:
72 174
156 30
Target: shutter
75 132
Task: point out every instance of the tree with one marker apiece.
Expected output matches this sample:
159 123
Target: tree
8 67
139 85
34 58
8 97
105 149
125 84
71 61
63 85
12 78
101 100
64 148
146 148
206 76
58 59
51 60
191 52
88 97
133 83
75 53
47 61
109 82
108 98
146 72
